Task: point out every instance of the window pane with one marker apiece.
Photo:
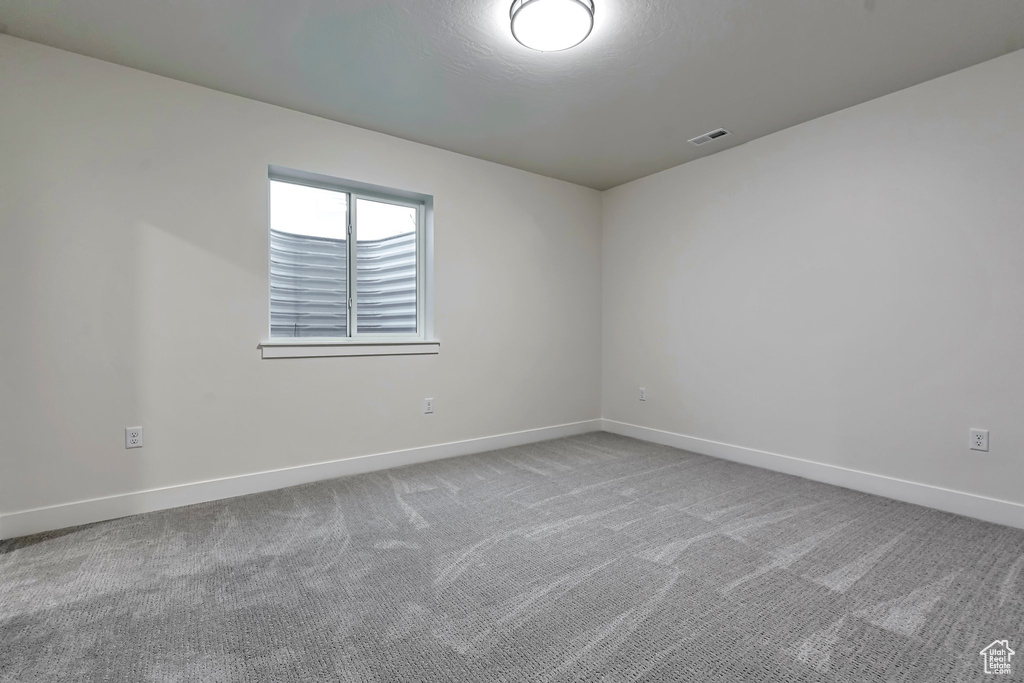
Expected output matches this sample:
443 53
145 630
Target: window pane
308 275
385 268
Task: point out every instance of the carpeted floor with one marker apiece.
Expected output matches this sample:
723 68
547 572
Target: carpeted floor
595 557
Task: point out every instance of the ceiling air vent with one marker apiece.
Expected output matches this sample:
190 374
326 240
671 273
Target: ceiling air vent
708 137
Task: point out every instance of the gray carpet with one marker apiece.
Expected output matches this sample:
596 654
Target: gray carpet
589 558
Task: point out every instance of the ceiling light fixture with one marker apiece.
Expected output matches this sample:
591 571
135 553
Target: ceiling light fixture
552 25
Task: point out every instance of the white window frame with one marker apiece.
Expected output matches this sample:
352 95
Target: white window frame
356 344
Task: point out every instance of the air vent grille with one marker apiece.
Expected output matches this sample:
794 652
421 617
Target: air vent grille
708 137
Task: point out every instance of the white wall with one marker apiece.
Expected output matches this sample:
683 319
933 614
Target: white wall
849 291
133 280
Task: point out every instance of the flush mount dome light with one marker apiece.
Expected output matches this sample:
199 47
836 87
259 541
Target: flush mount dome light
552 25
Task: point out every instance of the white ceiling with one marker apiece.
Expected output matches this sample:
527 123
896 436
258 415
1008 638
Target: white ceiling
620 106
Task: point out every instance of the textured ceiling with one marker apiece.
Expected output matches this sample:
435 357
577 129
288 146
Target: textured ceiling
620 106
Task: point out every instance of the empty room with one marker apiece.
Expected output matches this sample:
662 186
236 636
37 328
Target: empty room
532 341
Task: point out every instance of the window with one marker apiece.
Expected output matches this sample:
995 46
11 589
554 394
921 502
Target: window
347 263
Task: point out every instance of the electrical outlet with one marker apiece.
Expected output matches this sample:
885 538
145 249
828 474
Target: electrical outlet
428 406
643 393
979 440
133 437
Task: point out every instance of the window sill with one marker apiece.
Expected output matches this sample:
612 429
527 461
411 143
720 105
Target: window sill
327 348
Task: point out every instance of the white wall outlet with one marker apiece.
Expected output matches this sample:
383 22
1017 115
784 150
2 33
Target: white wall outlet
133 437
428 406
979 440
643 394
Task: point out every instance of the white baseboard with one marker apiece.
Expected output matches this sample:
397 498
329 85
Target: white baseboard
25 522
947 500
